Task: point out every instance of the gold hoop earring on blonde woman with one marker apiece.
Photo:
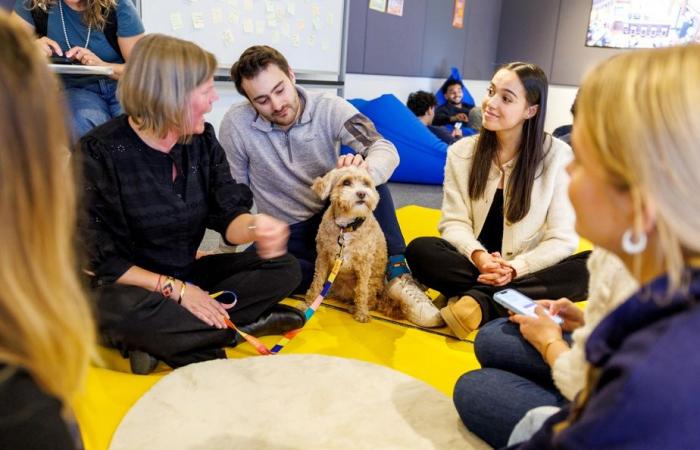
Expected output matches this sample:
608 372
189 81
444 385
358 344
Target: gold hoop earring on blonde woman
630 246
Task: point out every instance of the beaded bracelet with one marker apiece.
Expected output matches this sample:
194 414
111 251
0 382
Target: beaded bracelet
168 287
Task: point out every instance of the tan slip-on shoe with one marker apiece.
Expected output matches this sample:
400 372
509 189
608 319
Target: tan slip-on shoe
462 316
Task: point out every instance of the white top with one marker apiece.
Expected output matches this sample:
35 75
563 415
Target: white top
81 70
609 286
544 237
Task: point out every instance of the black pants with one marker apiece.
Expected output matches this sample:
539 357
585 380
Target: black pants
437 264
133 318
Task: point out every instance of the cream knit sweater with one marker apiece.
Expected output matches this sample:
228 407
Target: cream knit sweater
544 237
610 284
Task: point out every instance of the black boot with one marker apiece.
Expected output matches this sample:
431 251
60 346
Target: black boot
277 320
142 363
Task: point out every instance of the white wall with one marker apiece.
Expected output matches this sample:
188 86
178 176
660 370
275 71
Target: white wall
372 86
559 106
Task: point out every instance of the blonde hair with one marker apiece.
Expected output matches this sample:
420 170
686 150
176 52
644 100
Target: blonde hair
95 13
161 74
46 325
641 112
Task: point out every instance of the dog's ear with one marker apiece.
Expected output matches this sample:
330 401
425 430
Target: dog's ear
322 186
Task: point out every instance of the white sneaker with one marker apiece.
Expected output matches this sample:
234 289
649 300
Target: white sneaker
415 303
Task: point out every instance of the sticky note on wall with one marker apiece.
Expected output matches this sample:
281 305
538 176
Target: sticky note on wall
176 22
198 20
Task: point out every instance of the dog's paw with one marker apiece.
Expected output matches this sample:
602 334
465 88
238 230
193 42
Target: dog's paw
362 317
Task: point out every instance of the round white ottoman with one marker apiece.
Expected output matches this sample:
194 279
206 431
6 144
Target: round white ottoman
292 402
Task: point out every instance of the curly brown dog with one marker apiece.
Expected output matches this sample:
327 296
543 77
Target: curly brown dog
361 277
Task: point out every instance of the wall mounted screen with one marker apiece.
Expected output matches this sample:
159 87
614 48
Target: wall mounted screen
643 23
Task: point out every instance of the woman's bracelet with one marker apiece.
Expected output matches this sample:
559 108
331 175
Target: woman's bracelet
182 293
168 287
158 288
546 346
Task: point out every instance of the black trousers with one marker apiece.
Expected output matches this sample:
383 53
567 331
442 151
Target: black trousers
437 264
133 318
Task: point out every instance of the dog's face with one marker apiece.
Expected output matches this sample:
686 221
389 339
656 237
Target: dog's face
350 189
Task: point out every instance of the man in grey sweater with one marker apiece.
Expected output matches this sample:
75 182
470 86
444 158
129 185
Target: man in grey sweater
284 137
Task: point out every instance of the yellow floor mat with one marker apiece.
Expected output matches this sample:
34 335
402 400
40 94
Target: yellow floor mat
435 359
427 355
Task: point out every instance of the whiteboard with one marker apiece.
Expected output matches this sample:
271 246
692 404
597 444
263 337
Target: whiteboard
309 33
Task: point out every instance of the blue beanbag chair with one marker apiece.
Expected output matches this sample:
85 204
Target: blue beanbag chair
422 153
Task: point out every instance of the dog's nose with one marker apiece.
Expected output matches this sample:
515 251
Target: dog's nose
361 195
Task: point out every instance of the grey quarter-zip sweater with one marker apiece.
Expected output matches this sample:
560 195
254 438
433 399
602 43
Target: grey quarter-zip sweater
280 166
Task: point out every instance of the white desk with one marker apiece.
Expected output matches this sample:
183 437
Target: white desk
75 69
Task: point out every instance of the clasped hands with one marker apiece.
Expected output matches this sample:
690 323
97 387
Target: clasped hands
493 269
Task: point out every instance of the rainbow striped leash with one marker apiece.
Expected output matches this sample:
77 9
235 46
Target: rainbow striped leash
288 336
252 340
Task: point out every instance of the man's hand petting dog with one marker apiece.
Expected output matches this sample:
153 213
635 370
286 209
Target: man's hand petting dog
352 160
270 236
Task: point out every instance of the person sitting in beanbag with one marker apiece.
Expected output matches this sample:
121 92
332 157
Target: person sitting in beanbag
454 111
423 104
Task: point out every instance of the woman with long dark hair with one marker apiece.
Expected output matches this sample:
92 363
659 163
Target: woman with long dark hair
506 219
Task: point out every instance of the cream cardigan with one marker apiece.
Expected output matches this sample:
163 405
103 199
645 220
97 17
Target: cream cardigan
544 237
610 284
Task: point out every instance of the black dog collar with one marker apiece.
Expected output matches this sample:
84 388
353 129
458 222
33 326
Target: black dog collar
352 226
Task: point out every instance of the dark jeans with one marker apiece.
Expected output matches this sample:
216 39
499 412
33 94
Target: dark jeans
92 105
133 318
514 379
437 264
302 239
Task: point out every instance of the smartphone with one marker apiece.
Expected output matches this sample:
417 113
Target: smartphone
519 303
55 59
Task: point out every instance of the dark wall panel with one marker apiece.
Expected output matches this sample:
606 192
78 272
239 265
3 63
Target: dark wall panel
571 56
394 44
357 26
528 32
443 45
423 42
481 23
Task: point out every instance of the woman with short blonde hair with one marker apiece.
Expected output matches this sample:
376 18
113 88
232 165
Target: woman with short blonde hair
154 92
156 179
46 330
634 185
